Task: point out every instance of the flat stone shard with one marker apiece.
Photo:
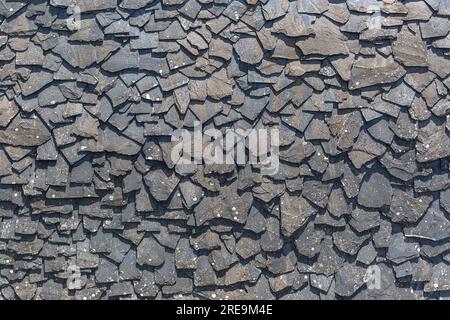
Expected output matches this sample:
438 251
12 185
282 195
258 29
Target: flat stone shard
367 254
375 192
274 9
77 56
249 50
409 50
439 280
308 243
25 132
219 86
317 130
316 192
432 143
113 142
161 183
94 206
86 5
365 150
150 253
316 7
375 71
8 110
438 64
327 40
433 225
406 208
400 250
19 25
107 272
401 95
122 60
349 279
435 28
294 213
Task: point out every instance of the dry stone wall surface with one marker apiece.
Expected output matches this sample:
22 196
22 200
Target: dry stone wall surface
93 204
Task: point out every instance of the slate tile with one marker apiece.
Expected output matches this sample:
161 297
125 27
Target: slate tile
375 192
150 253
433 225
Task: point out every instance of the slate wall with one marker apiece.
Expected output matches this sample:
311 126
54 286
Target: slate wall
92 205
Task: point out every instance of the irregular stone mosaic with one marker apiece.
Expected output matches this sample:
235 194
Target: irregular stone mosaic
94 206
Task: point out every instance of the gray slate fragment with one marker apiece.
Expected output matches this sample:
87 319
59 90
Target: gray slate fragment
375 192
161 183
150 253
25 132
433 225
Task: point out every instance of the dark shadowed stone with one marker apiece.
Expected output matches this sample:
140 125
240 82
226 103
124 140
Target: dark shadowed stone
316 192
79 56
329 260
227 205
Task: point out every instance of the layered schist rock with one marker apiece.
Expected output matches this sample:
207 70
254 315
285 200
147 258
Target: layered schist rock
94 205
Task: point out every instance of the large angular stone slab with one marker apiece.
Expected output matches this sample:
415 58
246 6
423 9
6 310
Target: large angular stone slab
374 71
161 183
25 132
375 192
